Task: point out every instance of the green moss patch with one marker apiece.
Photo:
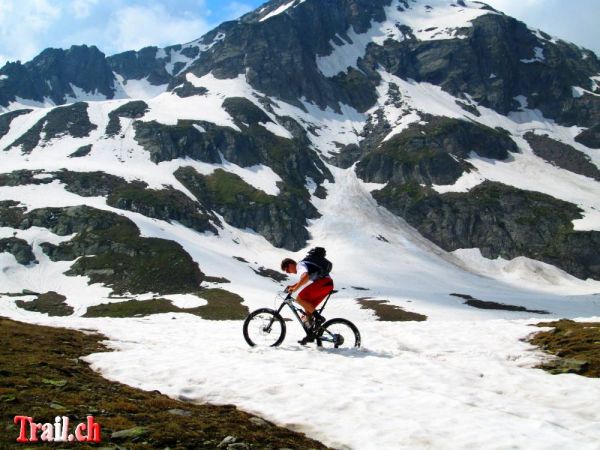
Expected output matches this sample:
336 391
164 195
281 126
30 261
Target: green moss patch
387 312
576 346
433 153
222 305
49 303
91 184
44 384
221 280
481 304
132 308
166 204
280 219
113 252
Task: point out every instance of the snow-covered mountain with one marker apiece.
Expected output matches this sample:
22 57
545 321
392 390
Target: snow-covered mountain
433 147
476 130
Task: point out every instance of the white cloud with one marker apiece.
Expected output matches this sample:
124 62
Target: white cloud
21 23
82 8
135 27
574 20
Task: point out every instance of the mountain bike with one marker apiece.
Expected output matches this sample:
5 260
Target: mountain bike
266 327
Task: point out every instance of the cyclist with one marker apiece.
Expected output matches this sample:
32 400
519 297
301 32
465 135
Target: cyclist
309 298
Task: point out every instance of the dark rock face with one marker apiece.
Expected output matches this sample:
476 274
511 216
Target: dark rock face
165 142
141 64
113 251
7 118
497 44
52 72
19 248
278 58
244 111
278 55
81 151
11 213
72 119
187 89
165 204
131 110
562 155
433 153
280 219
590 137
204 141
91 184
22 177
500 221
49 303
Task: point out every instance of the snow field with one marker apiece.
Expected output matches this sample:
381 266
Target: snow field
438 384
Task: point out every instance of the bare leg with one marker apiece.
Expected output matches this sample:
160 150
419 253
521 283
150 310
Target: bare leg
308 307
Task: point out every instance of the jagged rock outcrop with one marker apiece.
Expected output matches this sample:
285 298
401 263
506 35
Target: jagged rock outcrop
111 249
131 110
562 155
590 137
280 219
501 221
6 120
140 64
72 120
497 62
55 74
19 248
433 153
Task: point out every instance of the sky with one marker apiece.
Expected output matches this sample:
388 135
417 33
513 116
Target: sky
29 26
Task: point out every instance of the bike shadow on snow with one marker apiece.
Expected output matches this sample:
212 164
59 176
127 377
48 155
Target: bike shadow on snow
347 353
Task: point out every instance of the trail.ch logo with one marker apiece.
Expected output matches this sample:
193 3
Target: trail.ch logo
58 431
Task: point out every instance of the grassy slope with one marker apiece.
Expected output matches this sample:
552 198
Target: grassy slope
46 380
576 346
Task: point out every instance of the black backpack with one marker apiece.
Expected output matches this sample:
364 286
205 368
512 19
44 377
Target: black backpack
318 266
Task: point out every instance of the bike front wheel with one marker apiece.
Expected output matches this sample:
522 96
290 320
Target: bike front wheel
264 328
338 333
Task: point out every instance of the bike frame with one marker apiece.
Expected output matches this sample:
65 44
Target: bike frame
296 310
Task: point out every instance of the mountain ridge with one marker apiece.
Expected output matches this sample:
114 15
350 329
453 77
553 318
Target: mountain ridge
435 108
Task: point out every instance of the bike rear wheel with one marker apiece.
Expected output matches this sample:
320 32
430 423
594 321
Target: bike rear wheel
264 328
338 333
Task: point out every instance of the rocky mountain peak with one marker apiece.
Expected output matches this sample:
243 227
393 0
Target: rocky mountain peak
58 76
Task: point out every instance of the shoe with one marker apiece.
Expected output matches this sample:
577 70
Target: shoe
307 339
